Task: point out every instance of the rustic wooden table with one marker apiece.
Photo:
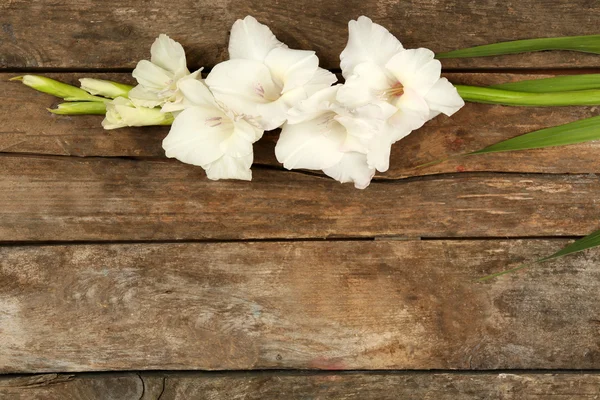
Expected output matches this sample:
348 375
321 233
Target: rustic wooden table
116 259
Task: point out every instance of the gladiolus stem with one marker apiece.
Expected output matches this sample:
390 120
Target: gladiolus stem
488 95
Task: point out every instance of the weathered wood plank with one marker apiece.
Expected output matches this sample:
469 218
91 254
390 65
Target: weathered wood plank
116 34
70 199
319 305
339 386
26 127
70 387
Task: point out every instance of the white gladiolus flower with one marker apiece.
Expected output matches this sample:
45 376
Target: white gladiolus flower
322 135
264 78
209 135
159 78
121 112
378 68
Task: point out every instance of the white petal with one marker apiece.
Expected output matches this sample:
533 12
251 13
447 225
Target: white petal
236 146
152 77
144 98
444 98
196 93
239 144
321 79
291 68
250 131
168 54
178 101
272 115
251 40
413 110
313 144
367 83
416 69
365 125
378 156
367 42
241 85
196 135
227 167
315 105
352 167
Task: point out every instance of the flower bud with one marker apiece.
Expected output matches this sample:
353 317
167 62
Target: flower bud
105 88
56 88
80 108
121 112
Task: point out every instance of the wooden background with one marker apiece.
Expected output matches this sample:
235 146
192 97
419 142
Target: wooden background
126 275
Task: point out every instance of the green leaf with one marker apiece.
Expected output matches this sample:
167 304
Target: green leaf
556 84
588 242
80 108
587 44
575 132
488 95
581 131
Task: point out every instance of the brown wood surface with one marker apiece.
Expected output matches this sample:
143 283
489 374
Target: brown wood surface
26 127
291 386
116 34
318 305
69 305
68 199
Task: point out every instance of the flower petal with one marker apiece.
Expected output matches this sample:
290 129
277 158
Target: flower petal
291 68
443 97
367 42
251 40
151 76
196 93
168 54
352 167
378 156
196 135
313 144
413 111
241 85
367 83
272 115
227 167
315 105
321 79
415 69
144 98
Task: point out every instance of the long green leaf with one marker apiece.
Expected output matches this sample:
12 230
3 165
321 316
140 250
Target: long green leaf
588 242
488 95
587 44
556 84
574 132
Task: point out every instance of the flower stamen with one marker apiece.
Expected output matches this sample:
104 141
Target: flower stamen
395 91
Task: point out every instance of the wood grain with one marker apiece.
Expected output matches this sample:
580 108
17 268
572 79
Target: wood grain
69 199
270 386
116 34
318 305
26 127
